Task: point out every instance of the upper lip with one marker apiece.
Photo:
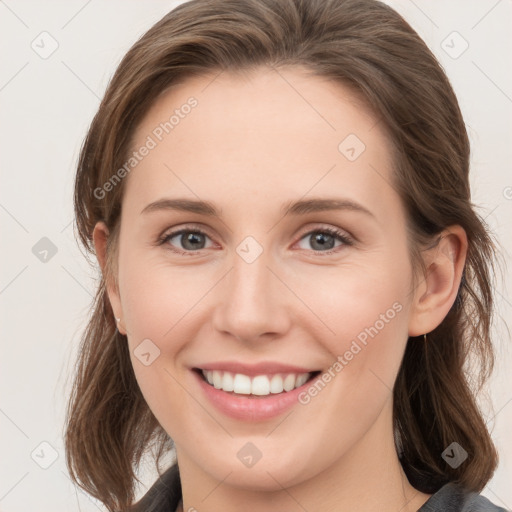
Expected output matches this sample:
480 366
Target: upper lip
262 368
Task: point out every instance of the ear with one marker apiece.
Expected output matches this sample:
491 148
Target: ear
436 293
100 237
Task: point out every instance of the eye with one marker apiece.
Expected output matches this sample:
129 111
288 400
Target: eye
324 239
190 239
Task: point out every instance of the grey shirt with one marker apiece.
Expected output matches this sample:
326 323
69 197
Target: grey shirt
165 495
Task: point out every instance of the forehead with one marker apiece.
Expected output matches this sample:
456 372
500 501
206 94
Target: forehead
261 134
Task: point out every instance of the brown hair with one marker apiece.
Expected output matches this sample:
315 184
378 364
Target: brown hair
367 46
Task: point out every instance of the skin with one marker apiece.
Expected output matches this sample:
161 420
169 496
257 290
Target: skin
254 143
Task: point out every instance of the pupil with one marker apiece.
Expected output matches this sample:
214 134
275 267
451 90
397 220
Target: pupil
324 240
191 238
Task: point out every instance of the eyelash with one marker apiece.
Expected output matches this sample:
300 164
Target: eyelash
340 235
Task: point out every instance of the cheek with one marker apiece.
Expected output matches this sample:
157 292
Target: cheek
357 303
366 310
161 305
366 352
156 296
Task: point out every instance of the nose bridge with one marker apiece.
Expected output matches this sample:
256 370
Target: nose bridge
250 281
254 303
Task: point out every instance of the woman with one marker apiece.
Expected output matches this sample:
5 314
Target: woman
277 195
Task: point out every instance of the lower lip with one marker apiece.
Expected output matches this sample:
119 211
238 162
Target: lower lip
251 407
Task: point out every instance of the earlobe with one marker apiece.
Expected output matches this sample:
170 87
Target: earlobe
436 293
100 237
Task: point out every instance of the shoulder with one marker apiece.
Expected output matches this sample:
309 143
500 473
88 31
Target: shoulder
163 496
455 498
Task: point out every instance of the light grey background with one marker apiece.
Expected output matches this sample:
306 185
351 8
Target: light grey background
46 106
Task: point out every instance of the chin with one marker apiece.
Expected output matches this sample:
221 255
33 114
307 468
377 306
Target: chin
262 477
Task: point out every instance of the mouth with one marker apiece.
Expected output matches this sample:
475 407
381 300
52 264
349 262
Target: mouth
257 386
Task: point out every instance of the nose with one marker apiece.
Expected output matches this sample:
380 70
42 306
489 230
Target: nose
254 304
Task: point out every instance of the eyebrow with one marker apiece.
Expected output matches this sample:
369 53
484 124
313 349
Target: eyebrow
301 207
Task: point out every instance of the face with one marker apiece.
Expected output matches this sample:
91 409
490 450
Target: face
298 266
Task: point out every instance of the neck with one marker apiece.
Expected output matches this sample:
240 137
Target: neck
367 477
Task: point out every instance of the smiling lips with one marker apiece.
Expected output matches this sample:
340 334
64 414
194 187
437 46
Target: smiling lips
261 379
230 383
253 392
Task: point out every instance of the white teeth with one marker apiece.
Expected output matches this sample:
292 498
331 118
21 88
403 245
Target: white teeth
289 382
261 385
276 384
217 379
227 382
208 375
242 384
301 379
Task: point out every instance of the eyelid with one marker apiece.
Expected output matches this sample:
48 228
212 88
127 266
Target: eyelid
198 227
336 231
